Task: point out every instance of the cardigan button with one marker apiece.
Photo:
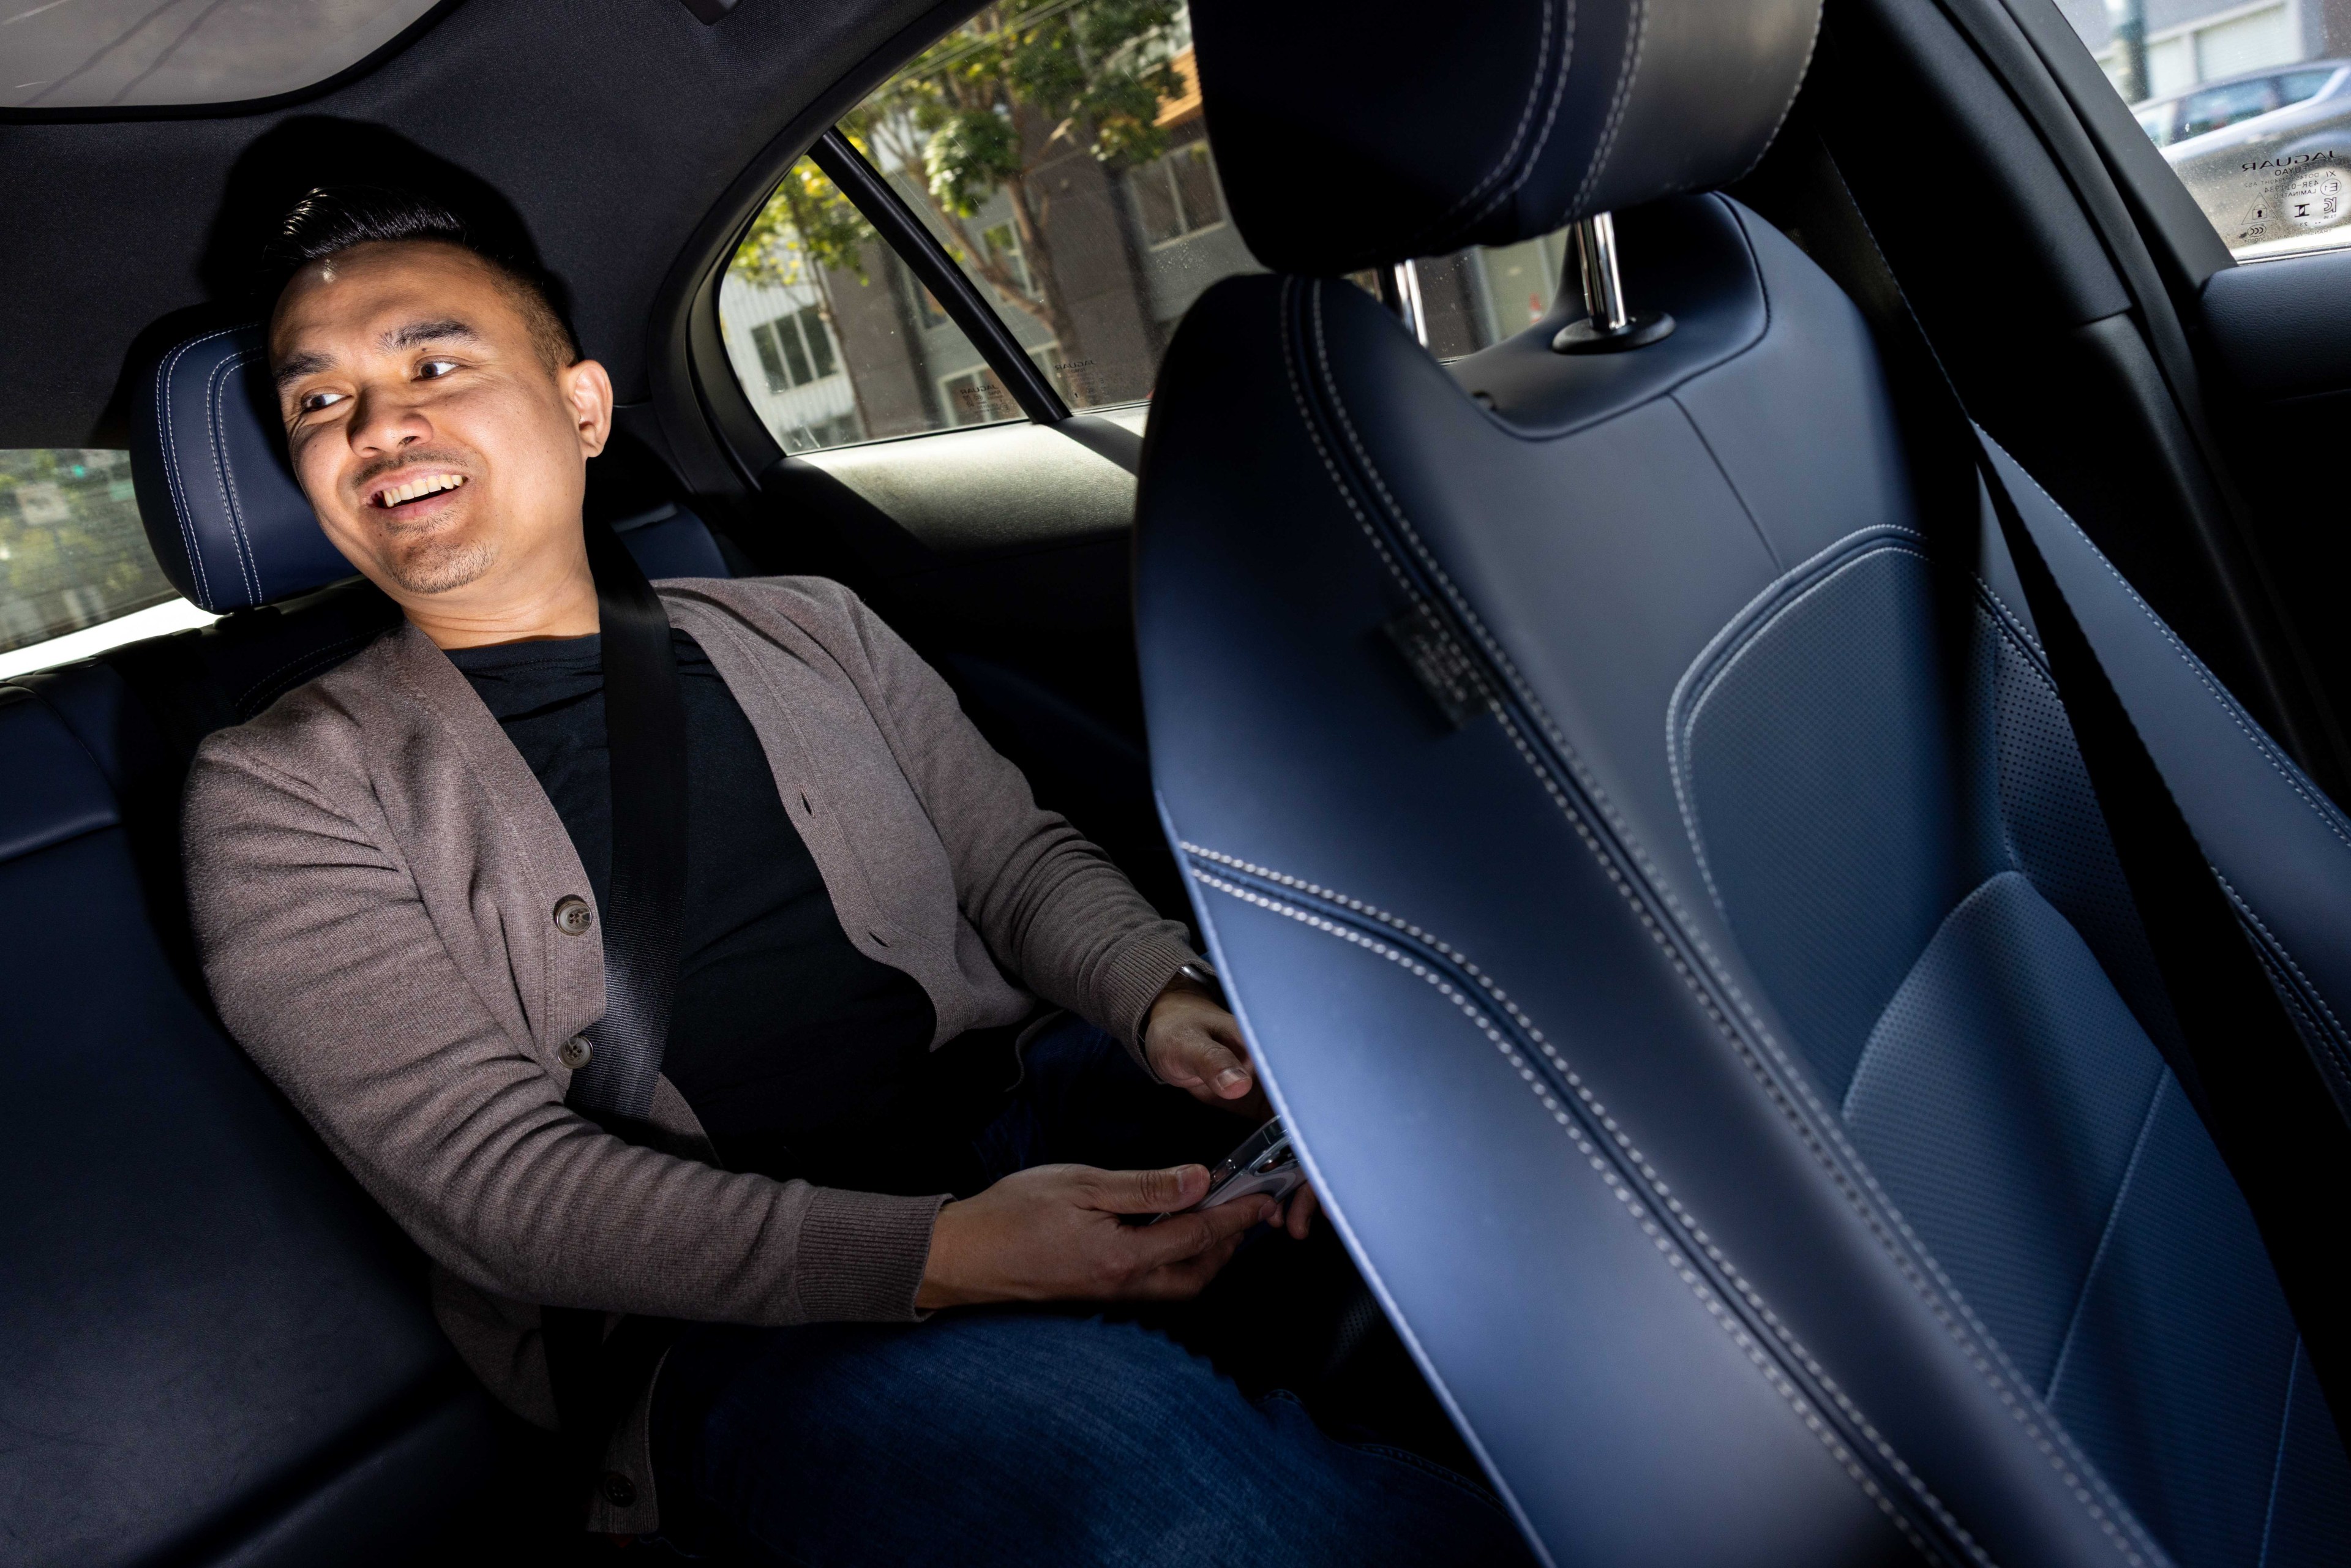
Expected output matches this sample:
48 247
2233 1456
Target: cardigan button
619 1489
574 1052
572 915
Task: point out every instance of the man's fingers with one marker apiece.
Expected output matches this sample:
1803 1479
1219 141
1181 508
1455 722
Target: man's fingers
1151 1192
1182 1281
1189 1235
1225 1071
1302 1207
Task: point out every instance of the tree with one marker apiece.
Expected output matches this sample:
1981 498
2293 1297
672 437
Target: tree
1025 83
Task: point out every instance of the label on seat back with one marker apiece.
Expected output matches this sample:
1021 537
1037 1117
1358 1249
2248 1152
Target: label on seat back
1438 661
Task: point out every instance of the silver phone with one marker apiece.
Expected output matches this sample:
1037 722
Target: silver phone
1265 1163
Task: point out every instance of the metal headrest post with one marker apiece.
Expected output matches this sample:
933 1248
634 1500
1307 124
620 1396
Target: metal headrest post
1608 326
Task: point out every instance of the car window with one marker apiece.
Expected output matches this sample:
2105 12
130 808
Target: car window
1056 152
833 339
2156 120
2248 103
2220 106
2296 86
73 561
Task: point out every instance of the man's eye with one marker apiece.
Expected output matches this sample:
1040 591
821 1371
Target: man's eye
313 401
434 370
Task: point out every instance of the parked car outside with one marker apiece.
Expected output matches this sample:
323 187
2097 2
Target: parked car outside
2267 154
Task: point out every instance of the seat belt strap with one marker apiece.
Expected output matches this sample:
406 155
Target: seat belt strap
2250 1073
644 738
595 1371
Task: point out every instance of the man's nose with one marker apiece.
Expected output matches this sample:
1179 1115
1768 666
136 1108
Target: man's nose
384 421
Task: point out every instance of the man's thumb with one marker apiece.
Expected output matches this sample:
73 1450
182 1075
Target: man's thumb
1154 1192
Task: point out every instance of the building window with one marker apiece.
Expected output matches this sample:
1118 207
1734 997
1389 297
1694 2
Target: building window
2221 42
1175 195
795 350
1004 249
977 397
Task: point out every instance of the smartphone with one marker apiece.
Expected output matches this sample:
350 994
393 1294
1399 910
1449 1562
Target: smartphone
1265 1163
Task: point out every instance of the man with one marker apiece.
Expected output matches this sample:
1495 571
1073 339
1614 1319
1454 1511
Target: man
398 874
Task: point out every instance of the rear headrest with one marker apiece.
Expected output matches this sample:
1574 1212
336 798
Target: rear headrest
226 521
1351 133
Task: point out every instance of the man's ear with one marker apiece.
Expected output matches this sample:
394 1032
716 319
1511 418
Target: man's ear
588 393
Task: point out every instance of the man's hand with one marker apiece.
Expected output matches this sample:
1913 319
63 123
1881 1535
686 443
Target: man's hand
1052 1233
1193 1044
1196 1046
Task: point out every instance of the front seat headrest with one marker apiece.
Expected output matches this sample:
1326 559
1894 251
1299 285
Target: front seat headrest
1351 133
228 523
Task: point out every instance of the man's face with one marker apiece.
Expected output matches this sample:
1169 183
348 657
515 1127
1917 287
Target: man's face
445 456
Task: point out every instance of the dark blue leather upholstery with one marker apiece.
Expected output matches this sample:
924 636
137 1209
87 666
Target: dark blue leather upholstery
212 1347
1549 110
1731 1053
228 525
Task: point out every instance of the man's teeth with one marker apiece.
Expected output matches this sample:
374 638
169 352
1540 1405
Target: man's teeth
415 488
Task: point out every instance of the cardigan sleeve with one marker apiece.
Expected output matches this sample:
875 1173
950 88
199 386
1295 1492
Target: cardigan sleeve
1050 903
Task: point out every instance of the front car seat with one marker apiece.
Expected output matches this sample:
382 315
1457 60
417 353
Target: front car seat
1654 868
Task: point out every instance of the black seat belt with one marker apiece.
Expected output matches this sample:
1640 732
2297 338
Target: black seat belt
594 1372
2250 1073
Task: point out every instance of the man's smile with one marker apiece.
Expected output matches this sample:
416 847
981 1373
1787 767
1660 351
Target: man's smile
393 492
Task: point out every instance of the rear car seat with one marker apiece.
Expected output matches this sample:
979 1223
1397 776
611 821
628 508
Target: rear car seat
212 1348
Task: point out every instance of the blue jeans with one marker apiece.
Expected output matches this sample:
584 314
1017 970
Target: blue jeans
1033 1438
1027 1440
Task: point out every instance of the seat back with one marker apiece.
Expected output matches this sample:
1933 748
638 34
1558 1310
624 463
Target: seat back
214 1347
1655 870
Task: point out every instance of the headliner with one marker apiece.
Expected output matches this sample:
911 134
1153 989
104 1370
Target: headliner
614 128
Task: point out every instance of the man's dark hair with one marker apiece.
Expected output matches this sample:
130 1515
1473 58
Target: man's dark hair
332 219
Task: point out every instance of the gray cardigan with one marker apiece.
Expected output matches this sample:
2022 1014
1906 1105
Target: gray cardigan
372 870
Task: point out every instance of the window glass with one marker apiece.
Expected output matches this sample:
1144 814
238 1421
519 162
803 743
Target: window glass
85 54
72 553
2264 150
833 339
1057 150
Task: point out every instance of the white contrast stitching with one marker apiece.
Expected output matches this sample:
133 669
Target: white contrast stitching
1728 646
164 400
1635 35
1518 132
221 473
1936 1289
1630 1200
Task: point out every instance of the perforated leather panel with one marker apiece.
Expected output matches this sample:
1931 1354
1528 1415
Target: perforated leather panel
1900 863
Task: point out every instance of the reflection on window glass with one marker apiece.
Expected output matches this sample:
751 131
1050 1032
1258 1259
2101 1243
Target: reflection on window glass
2251 104
1057 150
72 552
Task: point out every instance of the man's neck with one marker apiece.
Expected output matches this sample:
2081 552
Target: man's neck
564 606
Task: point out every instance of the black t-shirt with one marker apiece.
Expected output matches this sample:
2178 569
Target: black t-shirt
797 1052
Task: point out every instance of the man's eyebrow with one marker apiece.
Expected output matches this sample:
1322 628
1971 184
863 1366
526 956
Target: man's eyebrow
300 365
416 332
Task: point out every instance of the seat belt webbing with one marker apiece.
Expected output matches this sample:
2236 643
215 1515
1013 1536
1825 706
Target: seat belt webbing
593 1372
